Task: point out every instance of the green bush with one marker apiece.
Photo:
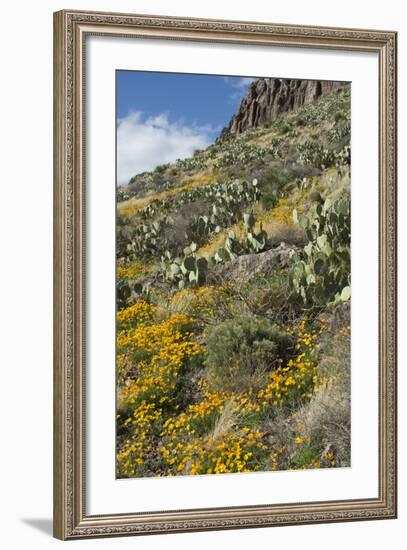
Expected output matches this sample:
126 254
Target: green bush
161 168
300 121
285 127
242 350
339 116
271 183
304 456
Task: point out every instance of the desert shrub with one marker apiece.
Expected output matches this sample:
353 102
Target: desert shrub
283 125
300 121
339 116
294 170
161 168
271 183
242 350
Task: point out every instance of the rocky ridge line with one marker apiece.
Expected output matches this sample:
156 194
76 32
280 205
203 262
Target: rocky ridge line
267 98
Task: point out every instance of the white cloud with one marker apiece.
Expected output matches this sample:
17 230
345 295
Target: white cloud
144 143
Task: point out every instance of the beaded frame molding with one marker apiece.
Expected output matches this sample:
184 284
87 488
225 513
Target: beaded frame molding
70 31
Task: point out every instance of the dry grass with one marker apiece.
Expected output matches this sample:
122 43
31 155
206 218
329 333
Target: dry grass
326 418
277 222
217 240
331 184
132 206
203 177
226 421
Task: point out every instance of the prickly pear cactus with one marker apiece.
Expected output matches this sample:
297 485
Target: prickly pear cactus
321 274
185 270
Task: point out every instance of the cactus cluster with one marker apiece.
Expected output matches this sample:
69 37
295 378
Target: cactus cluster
154 208
126 290
315 113
122 194
188 164
148 238
187 269
227 203
251 243
203 226
184 270
123 293
303 183
222 193
339 134
315 154
239 152
322 273
342 157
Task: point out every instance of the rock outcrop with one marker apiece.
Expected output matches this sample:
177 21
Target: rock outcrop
269 97
247 266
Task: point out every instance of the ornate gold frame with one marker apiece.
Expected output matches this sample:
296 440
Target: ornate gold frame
70 31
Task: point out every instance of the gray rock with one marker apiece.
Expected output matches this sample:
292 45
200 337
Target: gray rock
249 265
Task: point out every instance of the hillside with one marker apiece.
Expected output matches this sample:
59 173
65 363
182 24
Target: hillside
233 286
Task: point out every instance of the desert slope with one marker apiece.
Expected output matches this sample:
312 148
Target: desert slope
233 288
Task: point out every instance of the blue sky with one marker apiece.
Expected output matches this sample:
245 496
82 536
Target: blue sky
165 116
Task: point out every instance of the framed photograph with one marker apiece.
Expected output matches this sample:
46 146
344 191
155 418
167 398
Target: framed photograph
225 274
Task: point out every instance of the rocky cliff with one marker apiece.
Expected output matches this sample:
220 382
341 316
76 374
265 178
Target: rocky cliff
269 97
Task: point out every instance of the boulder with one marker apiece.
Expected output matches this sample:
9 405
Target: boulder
250 265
